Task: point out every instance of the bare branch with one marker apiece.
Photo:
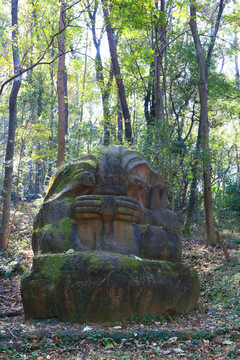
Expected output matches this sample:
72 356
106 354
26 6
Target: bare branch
170 42
39 61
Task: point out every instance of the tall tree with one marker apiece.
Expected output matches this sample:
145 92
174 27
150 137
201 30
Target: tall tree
159 42
105 87
117 73
120 122
61 86
238 91
7 186
84 80
65 80
203 132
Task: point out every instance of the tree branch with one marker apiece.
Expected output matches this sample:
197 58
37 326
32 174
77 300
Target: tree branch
39 61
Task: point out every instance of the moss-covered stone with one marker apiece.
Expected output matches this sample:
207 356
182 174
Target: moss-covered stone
104 207
99 286
109 195
55 236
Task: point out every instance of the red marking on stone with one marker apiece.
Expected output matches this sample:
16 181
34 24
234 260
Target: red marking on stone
112 294
65 292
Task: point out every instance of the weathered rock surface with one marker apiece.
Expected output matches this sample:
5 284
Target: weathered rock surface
99 287
98 210
109 201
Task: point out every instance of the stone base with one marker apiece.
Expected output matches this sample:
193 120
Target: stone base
100 287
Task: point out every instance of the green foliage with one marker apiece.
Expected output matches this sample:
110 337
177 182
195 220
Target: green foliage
4 28
228 199
138 15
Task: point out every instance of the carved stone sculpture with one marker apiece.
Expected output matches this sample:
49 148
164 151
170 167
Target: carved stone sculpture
109 201
104 230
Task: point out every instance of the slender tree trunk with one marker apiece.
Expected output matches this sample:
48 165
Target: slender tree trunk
160 32
37 173
237 145
117 73
157 90
106 111
38 145
149 100
84 80
7 186
105 88
184 193
193 193
120 122
146 106
213 35
52 101
192 199
65 81
60 86
204 131
159 104
238 90
152 99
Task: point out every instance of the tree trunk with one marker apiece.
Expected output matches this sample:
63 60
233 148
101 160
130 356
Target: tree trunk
192 198
52 101
159 104
193 195
204 130
120 122
104 88
37 173
106 111
65 80
160 33
38 162
149 100
84 80
238 90
7 185
193 191
117 73
213 35
60 86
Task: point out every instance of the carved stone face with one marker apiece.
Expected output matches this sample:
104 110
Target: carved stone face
111 201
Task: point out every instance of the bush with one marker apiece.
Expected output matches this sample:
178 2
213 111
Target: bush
227 201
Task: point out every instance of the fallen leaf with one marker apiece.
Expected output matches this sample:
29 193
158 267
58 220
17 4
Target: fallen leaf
172 340
178 351
87 328
227 342
70 251
165 352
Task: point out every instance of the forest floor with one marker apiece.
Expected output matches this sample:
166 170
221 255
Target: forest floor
210 331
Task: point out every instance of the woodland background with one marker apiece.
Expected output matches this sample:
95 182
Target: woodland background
161 77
